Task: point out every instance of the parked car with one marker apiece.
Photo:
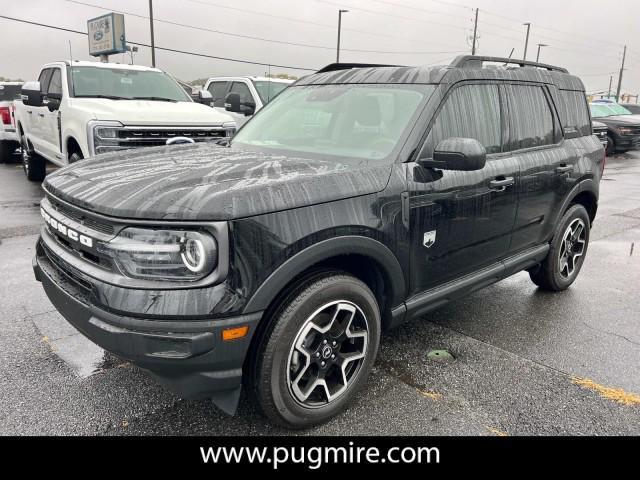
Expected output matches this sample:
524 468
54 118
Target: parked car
632 107
623 128
600 131
80 109
243 96
9 142
362 196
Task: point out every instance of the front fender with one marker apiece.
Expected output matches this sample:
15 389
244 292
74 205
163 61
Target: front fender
324 250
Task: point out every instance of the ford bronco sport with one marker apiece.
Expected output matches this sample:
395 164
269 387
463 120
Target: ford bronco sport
361 197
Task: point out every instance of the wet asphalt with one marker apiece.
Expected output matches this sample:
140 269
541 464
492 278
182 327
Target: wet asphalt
522 361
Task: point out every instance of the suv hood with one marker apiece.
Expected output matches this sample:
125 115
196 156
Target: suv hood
209 182
621 120
151 112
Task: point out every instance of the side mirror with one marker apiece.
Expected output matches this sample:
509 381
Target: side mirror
205 97
31 94
457 154
249 108
232 103
52 101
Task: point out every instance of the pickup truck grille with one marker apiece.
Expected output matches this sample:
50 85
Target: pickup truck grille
601 133
131 137
634 130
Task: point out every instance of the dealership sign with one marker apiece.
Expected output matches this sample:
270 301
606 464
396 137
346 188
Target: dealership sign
106 34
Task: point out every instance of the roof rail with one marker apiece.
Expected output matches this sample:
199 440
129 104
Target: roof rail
332 67
476 61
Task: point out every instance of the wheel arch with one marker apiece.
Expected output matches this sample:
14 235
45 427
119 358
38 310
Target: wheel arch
366 258
72 145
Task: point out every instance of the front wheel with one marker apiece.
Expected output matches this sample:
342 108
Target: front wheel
567 252
611 146
318 350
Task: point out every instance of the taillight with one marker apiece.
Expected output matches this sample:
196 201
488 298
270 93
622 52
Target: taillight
6 115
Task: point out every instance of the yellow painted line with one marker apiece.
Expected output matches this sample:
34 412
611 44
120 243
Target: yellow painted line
431 395
497 433
615 394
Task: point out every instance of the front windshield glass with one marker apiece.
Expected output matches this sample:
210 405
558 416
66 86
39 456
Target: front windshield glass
120 83
267 90
599 110
619 109
357 120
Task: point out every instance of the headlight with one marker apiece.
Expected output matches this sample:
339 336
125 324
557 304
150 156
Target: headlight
230 128
167 255
103 136
625 130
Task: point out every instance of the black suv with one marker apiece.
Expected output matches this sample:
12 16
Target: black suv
363 196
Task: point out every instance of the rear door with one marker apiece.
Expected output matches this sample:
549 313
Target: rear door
546 162
461 221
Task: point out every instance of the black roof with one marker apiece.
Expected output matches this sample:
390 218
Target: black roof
464 67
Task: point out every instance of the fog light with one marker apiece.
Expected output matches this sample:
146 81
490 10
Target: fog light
235 333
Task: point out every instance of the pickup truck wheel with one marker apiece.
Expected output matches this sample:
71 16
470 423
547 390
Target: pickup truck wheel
75 157
34 166
318 351
611 146
567 253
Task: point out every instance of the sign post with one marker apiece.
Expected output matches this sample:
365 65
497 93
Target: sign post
106 35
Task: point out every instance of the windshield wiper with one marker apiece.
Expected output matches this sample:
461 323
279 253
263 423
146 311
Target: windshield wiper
160 99
110 97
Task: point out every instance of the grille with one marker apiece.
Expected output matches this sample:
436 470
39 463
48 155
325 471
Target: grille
82 218
67 270
131 137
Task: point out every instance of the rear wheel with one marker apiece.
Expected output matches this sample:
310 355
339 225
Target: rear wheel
567 253
34 165
318 350
611 146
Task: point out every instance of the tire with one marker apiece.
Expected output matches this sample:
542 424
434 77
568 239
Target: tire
611 146
75 157
338 316
562 264
34 166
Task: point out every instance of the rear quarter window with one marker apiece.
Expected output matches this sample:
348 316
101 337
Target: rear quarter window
573 112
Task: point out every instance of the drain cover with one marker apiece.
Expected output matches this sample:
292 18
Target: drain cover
440 356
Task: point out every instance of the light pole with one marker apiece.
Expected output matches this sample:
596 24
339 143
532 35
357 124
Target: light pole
526 42
153 40
340 12
539 46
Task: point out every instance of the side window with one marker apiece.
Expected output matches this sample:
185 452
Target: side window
244 92
573 113
44 78
218 91
470 111
531 117
55 84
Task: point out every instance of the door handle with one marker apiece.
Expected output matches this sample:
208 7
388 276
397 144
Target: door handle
564 168
41 115
29 112
500 183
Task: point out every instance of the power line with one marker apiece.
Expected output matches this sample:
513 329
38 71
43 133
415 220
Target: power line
173 50
249 37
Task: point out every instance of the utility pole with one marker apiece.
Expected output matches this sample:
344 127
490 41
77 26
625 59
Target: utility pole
475 34
153 43
624 55
526 42
610 80
340 12
539 46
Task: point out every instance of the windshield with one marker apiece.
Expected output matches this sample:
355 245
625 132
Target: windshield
360 121
607 110
9 92
119 83
267 90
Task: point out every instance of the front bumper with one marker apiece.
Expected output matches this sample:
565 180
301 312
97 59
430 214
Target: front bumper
188 357
8 134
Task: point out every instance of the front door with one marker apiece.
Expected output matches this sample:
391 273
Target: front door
49 126
461 221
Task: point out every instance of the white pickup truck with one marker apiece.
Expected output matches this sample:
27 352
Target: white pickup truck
243 96
79 109
9 91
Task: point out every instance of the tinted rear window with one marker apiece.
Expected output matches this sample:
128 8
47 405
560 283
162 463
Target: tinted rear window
531 117
573 112
9 92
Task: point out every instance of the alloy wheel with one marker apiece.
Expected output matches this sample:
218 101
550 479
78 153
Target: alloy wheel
572 247
327 354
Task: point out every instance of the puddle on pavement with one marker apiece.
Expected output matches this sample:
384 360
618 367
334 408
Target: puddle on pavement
84 357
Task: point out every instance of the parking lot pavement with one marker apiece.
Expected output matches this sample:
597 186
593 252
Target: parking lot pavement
522 361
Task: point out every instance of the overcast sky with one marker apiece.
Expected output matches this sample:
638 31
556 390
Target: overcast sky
586 36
